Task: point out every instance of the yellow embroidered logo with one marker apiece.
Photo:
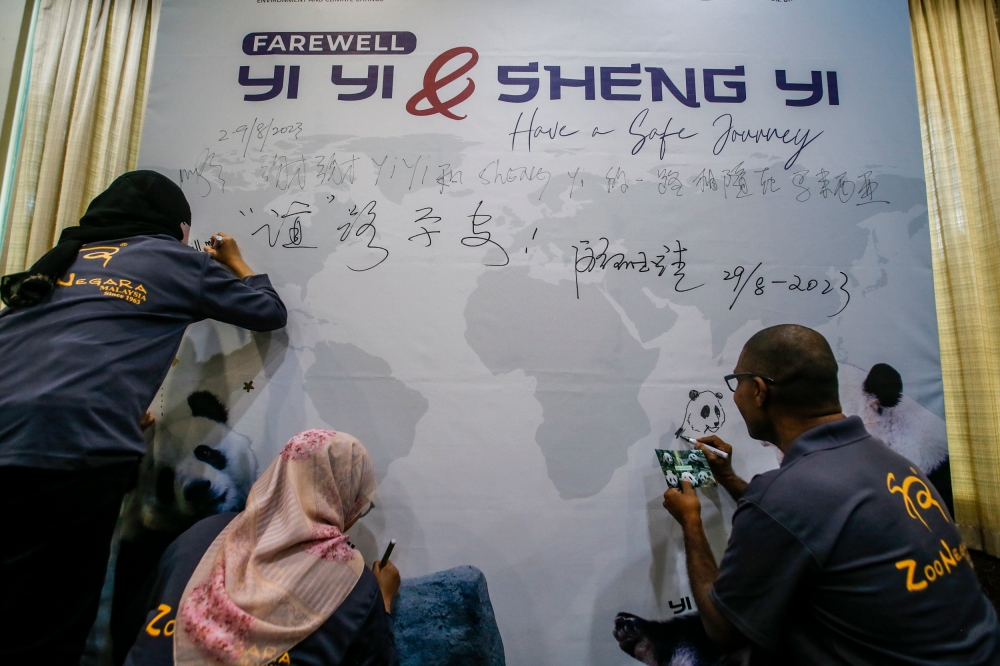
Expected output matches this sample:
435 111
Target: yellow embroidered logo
268 656
120 288
947 558
923 496
104 252
922 500
168 627
283 659
124 289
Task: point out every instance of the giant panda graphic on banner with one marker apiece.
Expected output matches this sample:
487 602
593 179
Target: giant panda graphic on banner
512 240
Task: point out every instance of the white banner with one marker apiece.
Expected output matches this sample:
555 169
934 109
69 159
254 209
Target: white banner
520 245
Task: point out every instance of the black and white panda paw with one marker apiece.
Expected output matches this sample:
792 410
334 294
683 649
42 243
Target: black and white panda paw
633 636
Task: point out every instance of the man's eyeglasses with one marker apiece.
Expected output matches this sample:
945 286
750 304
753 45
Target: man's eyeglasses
732 381
367 511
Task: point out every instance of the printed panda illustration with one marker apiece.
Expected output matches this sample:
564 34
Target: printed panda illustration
704 414
907 427
195 466
704 476
680 641
689 477
902 423
671 479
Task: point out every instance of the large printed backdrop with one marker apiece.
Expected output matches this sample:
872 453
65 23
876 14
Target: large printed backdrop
520 244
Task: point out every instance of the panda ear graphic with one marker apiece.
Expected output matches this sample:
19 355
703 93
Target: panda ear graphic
693 394
718 395
207 405
885 383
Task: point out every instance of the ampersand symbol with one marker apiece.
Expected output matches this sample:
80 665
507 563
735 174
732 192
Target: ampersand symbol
432 84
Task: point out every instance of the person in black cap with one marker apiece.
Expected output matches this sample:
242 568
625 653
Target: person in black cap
86 339
845 554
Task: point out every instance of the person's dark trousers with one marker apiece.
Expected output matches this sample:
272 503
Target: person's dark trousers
134 576
55 536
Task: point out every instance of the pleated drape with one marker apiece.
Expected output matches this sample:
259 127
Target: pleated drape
957 57
83 117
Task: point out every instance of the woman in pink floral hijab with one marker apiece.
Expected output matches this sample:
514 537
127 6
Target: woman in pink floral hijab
278 573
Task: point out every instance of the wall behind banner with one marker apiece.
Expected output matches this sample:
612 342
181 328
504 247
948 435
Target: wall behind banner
10 31
514 239
13 49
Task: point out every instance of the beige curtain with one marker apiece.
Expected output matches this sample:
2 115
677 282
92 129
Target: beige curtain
957 57
83 119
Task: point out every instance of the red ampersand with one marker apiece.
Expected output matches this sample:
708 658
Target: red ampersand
432 84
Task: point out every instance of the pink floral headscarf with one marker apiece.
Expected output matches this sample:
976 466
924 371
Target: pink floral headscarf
283 566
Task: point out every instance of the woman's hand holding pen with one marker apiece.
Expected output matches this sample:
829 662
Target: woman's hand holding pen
224 249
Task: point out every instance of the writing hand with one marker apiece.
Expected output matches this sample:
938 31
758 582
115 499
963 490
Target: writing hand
227 253
721 467
683 504
388 581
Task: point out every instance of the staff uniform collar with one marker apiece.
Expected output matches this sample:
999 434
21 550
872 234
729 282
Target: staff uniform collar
827 436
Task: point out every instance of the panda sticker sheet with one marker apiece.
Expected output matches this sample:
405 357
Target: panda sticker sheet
520 245
681 466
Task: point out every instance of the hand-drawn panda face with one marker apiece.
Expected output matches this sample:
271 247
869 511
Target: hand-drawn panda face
671 479
704 414
200 466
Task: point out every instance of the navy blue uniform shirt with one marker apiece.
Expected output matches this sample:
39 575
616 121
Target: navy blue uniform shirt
80 369
846 555
359 633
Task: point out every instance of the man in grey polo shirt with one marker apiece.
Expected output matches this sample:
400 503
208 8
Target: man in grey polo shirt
845 554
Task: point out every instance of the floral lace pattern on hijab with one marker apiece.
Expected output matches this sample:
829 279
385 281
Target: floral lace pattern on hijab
332 544
283 566
305 444
214 621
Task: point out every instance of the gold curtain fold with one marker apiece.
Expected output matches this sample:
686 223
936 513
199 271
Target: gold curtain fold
957 58
83 118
